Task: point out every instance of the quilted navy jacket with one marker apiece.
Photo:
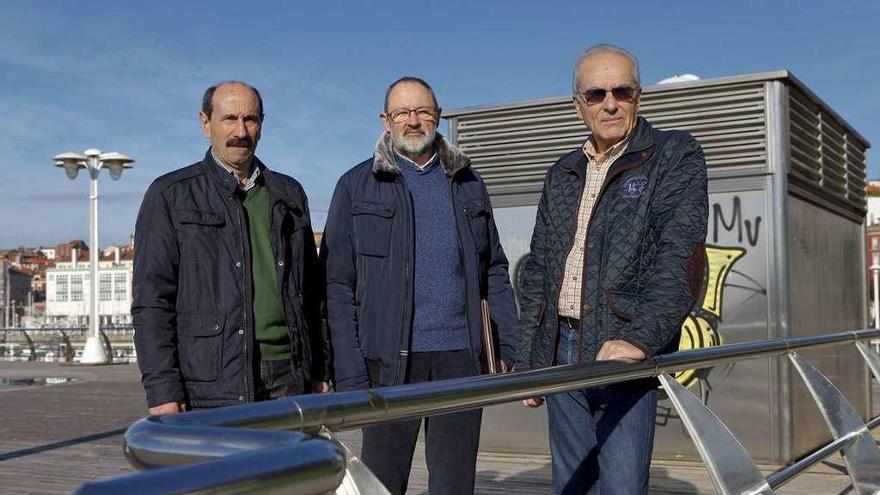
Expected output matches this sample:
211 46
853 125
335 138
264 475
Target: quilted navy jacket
644 252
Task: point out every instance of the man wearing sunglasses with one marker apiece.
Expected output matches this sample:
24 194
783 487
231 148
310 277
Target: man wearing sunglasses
616 262
411 249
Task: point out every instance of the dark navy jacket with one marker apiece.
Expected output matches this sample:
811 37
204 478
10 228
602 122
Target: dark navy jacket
644 253
193 305
368 248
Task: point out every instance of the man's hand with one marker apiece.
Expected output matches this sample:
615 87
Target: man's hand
620 350
168 408
321 387
533 402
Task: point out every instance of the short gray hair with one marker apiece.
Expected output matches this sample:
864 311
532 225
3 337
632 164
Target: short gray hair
604 49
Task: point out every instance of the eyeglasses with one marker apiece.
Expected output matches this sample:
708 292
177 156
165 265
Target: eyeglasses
428 114
626 94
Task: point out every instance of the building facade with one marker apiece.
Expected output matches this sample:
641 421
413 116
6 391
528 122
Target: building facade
872 221
68 290
15 290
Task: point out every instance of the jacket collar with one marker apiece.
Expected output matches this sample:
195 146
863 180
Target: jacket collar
279 189
641 140
451 158
228 183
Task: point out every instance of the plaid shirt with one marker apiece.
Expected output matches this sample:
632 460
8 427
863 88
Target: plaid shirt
597 168
251 182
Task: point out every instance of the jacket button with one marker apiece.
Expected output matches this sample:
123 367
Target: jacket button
241 397
241 331
216 326
238 264
587 307
281 263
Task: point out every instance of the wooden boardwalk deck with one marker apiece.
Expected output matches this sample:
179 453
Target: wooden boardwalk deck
55 437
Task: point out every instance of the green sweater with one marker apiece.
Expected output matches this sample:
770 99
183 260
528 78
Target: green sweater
270 325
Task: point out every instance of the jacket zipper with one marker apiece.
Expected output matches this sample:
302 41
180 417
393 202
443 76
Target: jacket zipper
248 335
461 254
567 253
281 280
403 356
605 183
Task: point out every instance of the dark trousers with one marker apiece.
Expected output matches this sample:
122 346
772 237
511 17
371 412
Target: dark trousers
277 379
451 440
601 439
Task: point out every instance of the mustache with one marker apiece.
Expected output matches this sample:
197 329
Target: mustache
244 142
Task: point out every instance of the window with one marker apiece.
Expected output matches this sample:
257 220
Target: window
120 286
105 286
76 288
875 242
61 288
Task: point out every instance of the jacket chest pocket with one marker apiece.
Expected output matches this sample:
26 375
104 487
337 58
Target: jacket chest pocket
477 215
372 224
200 234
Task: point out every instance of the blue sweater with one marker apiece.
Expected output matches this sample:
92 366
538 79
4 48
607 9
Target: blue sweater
439 320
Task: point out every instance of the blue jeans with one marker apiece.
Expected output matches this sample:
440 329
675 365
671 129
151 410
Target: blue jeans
601 439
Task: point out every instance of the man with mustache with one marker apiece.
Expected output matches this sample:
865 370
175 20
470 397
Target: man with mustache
411 249
227 287
616 263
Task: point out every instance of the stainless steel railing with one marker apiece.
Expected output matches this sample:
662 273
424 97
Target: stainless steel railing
61 343
236 436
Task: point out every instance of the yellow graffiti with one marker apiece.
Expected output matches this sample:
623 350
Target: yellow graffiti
700 329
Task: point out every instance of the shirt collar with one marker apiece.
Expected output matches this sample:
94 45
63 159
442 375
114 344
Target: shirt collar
252 180
422 168
594 155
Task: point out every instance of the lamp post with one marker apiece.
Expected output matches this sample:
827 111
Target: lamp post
93 161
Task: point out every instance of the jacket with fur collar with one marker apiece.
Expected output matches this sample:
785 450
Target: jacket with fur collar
368 250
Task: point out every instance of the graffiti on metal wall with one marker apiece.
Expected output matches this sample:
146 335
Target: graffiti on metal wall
737 223
700 329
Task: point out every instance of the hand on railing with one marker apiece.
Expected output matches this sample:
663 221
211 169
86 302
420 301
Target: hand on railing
533 402
168 408
620 350
321 387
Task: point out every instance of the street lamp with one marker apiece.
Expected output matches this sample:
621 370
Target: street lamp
93 161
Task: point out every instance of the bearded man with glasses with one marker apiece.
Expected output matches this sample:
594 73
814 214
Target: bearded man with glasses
411 250
616 262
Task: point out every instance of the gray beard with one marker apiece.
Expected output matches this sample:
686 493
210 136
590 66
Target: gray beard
412 146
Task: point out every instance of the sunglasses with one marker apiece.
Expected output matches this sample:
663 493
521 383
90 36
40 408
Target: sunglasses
626 94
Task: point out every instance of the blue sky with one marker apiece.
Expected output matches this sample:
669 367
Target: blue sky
128 77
